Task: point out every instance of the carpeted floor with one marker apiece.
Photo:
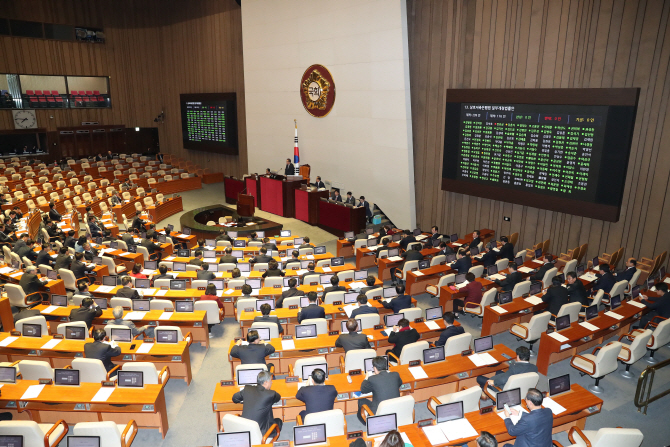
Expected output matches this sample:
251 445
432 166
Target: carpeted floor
192 421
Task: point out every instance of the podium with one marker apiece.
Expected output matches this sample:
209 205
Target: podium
278 196
245 205
307 205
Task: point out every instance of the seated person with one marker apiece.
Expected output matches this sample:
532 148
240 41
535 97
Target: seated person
627 274
162 273
606 280
400 302
292 291
507 249
555 296
370 281
87 312
254 352
210 295
450 330
78 266
403 334
317 396
473 294
136 272
512 278
82 288
146 331
539 275
32 286
313 310
576 290
267 318
127 290
273 269
27 251
383 385
352 339
205 274
102 350
198 258
63 260
306 243
310 271
363 307
519 366
463 262
258 401
228 257
489 257
334 286
262 257
89 252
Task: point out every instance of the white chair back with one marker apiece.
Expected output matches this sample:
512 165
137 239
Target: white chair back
334 420
661 335
469 397
502 263
33 433
334 296
355 359
212 309
571 309
538 325
274 330
35 370
638 348
109 432
477 270
321 324
570 266
617 437
606 360
39 319
456 344
119 301
244 303
402 406
61 329
520 289
233 423
412 313
548 276
413 351
147 368
90 370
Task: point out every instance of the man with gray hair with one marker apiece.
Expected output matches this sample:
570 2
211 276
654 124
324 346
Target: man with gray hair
32 285
258 400
117 312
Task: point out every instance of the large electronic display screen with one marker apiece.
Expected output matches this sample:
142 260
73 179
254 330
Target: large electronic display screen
563 150
209 122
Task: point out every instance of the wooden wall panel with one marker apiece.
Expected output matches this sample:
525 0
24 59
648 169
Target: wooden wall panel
548 44
154 51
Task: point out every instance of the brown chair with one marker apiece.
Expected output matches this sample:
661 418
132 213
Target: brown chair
565 257
649 267
305 171
530 252
582 252
545 246
513 238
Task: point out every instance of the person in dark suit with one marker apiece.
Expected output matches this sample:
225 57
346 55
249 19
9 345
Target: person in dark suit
450 330
475 240
409 255
78 267
316 396
555 297
205 273
198 258
384 245
266 318
434 235
273 269
370 281
576 290
54 215
319 183
352 339
89 252
258 400
116 199
44 258
535 427
408 239
489 257
101 350
21 242
292 291
228 258
311 311
69 239
507 249
162 273
463 263
138 223
153 247
306 243
606 280
289 169
310 271
263 257
381 383
445 249
403 334
223 236
512 278
363 307
631 268
27 251
5 238
254 352
129 238
334 287
127 290
658 307
31 284
336 195
363 204
53 231
350 199
63 260
539 275
520 366
268 245
400 302
87 312
82 289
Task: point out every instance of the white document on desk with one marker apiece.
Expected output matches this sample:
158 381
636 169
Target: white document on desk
395 258
513 418
482 359
287 345
104 289
497 276
165 315
435 435
16 275
666 280
534 300
170 258
136 315
310 257
555 407
456 244
327 269
525 269
125 253
418 372
589 326
301 272
255 292
418 273
637 304
147 272
161 292
148 292
614 315
7 341
51 343
498 309
6 270
103 394
588 277
49 309
357 285
144 348
558 337
432 325
462 284
32 392
349 308
457 429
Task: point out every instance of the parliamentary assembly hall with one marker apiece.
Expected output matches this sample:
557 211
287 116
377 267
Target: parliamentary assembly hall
344 223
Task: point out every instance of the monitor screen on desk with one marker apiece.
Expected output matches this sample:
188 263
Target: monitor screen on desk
320 250
186 231
424 264
518 261
97 260
244 267
305 331
367 363
239 243
562 322
178 266
218 283
535 287
379 425
184 253
83 441
344 329
263 333
114 245
12 441
307 369
130 379
460 277
59 300
269 301
474 251
581 268
288 278
51 274
389 292
336 262
237 254
372 242
396 237
298 241
505 297
248 376
162 239
142 283
285 233
483 344
132 249
449 412
453 237
167 336
32 330
309 434
254 283
236 439
305 264
141 305
451 257
304 301
232 234
350 297
361 275
511 398
184 306
432 355
559 385
150 265
122 335
75 333
492 270
169 228
177 284
635 292
615 302
260 234
210 242
325 279
591 312
433 313
393 252
67 377
109 281
392 319
7 374
348 235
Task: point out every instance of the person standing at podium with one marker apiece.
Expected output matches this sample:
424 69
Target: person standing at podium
290 169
